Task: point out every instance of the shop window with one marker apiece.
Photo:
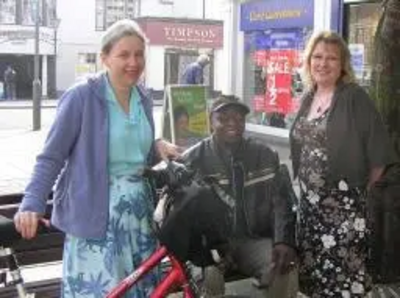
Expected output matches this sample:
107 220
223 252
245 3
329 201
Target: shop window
272 83
28 12
110 11
8 11
177 60
361 22
87 64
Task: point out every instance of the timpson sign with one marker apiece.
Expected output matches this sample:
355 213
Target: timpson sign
184 34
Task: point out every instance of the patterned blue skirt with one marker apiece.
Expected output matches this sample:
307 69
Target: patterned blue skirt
94 266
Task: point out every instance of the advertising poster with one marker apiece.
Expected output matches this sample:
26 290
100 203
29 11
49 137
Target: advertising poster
280 66
185 117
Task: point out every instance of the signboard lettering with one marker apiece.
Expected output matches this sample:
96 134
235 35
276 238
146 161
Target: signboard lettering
184 34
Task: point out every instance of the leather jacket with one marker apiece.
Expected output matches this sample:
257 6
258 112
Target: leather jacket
267 193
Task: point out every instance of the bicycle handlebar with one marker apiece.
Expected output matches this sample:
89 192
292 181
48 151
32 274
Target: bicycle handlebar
9 234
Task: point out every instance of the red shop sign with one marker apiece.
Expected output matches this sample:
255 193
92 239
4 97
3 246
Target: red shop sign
279 81
184 34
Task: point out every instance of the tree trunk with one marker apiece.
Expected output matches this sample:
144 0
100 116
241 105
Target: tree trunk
385 85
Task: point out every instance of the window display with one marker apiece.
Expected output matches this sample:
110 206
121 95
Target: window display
361 25
272 75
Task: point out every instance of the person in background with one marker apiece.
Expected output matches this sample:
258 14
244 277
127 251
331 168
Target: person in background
10 80
339 149
262 239
194 72
101 140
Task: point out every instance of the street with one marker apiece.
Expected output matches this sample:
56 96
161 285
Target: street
19 120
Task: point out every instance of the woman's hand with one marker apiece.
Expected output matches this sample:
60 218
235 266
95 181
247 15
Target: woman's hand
167 150
26 223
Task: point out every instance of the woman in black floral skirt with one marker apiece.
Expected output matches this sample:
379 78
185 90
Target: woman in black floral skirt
339 148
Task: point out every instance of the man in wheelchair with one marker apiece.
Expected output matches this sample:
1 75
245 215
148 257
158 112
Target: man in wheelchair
252 224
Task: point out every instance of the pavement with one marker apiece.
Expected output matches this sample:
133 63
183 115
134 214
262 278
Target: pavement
26 104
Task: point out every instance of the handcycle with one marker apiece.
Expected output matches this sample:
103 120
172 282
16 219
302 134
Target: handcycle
179 274
177 277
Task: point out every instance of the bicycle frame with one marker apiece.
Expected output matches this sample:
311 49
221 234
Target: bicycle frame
176 276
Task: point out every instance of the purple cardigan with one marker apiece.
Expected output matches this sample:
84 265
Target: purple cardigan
75 155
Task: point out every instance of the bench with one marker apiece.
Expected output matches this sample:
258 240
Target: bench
46 247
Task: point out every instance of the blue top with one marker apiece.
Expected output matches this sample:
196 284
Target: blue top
193 75
76 155
126 156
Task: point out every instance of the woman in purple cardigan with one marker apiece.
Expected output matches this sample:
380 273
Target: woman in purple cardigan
101 139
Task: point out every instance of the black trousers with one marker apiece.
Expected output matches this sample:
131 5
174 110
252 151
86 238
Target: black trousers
252 257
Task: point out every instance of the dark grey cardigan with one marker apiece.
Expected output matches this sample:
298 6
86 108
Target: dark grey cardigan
357 139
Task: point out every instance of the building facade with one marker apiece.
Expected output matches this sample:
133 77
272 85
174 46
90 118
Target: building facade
17 43
178 31
267 41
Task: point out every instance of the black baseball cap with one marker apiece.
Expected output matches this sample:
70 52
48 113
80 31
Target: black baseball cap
225 101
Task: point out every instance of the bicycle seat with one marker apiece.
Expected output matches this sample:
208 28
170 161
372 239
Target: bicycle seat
8 233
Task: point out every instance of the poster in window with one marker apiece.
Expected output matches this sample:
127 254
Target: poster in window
278 97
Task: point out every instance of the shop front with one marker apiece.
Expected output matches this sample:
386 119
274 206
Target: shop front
17 43
175 43
274 34
274 38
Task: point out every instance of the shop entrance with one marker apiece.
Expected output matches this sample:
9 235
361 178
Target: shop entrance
177 60
24 67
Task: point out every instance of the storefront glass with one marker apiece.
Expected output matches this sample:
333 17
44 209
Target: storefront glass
272 83
275 33
360 27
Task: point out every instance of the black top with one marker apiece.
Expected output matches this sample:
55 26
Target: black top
357 139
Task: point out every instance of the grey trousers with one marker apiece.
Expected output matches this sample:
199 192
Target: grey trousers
252 257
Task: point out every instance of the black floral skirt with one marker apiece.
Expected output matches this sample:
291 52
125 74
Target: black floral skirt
333 240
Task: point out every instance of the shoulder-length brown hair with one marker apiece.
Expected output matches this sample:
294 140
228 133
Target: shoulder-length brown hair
332 38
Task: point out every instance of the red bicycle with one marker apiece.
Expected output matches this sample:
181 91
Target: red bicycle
178 275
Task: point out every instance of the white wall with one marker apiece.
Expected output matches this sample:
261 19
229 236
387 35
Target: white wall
155 67
76 34
322 15
182 9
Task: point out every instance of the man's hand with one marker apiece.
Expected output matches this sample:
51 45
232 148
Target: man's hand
283 258
167 150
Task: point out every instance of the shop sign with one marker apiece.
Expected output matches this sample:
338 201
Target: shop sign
23 35
262 15
184 34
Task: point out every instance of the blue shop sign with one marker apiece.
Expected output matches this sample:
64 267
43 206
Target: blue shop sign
269 14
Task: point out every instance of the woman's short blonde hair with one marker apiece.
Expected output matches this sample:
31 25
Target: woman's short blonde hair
119 30
332 38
